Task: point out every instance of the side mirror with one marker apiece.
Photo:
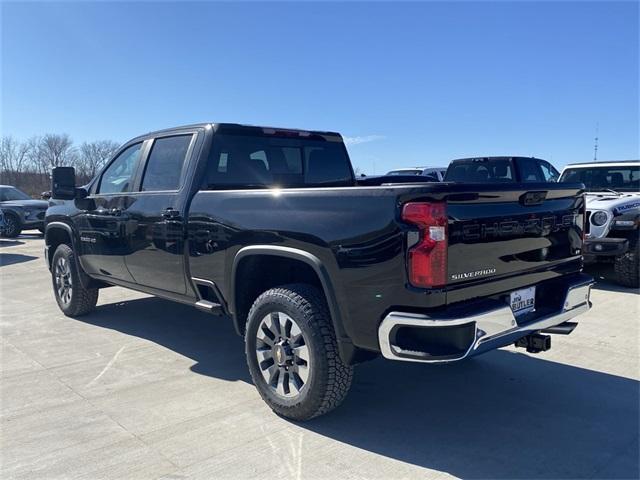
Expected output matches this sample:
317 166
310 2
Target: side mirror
63 183
45 195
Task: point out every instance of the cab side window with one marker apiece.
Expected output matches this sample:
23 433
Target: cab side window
550 174
118 177
530 170
164 167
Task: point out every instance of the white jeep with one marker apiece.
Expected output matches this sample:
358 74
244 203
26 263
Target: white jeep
613 214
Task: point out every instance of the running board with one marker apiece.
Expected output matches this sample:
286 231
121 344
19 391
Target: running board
209 307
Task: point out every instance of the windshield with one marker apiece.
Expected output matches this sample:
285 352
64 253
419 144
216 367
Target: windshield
599 179
8 194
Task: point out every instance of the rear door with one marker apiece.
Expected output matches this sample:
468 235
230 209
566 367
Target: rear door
102 226
155 215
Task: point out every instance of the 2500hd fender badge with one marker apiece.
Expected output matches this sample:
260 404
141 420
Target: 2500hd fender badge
475 274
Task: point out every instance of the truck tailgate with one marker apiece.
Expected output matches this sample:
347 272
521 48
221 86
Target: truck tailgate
497 234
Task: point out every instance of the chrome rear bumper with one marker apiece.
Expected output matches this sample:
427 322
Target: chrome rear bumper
490 326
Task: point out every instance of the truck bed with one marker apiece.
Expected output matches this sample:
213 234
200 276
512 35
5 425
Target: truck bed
496 242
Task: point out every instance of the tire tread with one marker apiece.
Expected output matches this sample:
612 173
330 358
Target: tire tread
311 304
83 300
626 266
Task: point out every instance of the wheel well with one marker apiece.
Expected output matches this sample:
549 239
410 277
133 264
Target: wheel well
55 237
11 213
256 274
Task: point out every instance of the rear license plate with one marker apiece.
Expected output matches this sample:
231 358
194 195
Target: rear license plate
523 301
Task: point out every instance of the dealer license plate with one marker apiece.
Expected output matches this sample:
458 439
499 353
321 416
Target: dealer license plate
523 301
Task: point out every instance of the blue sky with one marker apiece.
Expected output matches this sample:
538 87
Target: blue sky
406 83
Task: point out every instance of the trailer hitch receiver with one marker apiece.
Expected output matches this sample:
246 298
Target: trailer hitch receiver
535 343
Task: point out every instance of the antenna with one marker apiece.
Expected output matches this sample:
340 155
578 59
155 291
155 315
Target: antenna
595 145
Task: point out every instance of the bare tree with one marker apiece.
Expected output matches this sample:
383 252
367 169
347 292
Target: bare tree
27 164
93 156
55 150
14 158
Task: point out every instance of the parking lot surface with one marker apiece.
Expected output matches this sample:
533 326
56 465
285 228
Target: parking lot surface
144 388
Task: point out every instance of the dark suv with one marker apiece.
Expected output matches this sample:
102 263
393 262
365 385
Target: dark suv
21 212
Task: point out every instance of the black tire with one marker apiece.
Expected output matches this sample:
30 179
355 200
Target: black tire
77 300
13 225
328 379
627 268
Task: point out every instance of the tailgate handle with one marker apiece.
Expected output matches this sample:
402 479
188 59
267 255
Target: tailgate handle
533 198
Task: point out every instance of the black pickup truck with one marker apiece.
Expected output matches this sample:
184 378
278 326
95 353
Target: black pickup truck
270 228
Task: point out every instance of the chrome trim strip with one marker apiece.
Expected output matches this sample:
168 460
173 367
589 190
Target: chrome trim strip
489 325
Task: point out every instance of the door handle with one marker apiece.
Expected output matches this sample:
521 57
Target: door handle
106 212
170 214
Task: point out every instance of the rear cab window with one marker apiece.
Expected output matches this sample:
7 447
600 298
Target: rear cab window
271 160
481 170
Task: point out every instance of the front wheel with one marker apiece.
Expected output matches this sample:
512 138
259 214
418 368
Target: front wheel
627 266
292 353
12 226
72 297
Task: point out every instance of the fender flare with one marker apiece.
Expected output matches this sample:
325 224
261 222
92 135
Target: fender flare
344 342
84 278
58 226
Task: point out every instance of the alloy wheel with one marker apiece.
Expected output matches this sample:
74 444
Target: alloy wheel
283 355
64 282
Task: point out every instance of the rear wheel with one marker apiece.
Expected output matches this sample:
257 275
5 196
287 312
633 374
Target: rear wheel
73 299
293 355
12 226
627 268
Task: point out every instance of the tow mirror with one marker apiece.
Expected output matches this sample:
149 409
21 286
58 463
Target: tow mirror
63 183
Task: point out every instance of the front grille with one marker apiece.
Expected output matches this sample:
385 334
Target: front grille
40 215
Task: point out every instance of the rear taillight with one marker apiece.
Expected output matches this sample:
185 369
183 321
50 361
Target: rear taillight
427 259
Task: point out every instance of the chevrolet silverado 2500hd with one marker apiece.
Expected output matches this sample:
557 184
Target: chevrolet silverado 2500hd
270 228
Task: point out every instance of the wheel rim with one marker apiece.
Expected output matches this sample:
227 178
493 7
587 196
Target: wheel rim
64 283
10 225
283 355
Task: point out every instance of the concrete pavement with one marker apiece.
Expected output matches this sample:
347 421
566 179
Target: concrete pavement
144 388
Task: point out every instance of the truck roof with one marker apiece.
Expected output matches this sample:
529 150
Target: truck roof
610 163
407 169
498 157
239 128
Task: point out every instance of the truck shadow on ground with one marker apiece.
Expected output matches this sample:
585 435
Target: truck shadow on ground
502 415
10 243
13 258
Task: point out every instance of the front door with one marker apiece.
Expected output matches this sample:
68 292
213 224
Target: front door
156 216
103 224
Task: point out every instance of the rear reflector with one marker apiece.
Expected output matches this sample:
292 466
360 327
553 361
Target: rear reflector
427 260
